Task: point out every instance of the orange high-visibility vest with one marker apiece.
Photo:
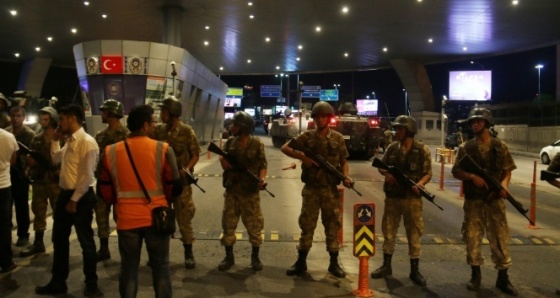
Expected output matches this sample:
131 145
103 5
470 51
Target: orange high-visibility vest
132 208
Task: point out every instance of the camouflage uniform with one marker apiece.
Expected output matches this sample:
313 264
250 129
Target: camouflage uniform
402 202
185 145
45 188
388 138
320 192
20 184
241 198
484 211
104 138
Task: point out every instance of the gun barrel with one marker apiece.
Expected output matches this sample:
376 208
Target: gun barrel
548 175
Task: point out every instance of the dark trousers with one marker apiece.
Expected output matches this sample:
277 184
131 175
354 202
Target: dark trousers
130 247
20 195
5 227
62 227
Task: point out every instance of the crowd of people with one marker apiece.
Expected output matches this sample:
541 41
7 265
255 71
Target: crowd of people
63 164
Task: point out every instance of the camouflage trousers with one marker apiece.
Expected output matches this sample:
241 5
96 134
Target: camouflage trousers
102 210
43 195
486 216
325 199
184 212
248 207
411 212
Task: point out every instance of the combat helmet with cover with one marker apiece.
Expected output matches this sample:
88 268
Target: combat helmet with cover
481 113
51 111
173 105
321 108
113 107
244 121
407 122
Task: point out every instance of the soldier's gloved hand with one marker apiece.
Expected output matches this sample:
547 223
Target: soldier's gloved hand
416 188
308 162
390 179
478 182
348 183
262 185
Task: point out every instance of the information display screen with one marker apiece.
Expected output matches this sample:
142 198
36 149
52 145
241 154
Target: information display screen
473 85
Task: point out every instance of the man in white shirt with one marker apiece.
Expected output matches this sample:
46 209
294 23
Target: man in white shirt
7 157
74 206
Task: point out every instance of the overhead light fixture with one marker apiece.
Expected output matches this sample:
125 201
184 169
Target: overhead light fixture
250 3
248 60
251 16
74 30
430 40
221 68
86 3
465 48
16 54
514 2
267 39
300 47
318 28
49 38
206 43
13 12
104 16
385 49
207 27
345 54
345 9
37 49
277 67
297 59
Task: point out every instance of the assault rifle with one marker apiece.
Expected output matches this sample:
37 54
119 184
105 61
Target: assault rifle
467 163
548 175
322 162
235 163
191 179
402 178
37 156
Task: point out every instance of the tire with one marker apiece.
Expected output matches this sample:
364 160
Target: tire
545 159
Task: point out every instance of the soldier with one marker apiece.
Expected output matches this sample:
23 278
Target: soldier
460 137
45 188
485 211
182 139
111 113
18 176
320 191
387 138
554 167
414 160
241 198
4 104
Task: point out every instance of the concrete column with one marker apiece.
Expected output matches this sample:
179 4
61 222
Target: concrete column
33 75
172 18
415 80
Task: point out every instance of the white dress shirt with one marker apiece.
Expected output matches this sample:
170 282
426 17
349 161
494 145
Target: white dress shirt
7 149
78 159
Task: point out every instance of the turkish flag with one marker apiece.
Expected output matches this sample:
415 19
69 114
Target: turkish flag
111 64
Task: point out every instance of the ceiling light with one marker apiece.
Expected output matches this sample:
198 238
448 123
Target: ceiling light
385 49
74 30
206 43
300 47
17 55
277 67
250 3
465 48
221 68
430 40
297 59
514 2
419 0
345 54
207 27
86 3
251 16
318 29
13 12
104 16
49 38
345 9
248 60
267 39
38 49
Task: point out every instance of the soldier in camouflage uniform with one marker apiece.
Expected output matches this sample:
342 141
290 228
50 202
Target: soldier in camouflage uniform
414 160
485 211
111 113
45 188
555 167
387 138
18 176
4 104
320 192
241 198
182 139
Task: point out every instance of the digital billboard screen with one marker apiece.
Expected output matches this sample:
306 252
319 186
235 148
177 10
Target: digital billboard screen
475 85
367 106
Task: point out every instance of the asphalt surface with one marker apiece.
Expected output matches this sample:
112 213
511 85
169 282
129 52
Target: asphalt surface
535 252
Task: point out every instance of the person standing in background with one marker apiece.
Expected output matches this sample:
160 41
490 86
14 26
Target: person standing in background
111 113
4 104
8 156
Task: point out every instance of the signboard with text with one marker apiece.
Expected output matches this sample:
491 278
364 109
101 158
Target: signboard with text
311 91
271 91
329 94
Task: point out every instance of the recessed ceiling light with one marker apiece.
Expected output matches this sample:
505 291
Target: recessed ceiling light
49 38
385 49
345 54
267 39
514 2
250 3
86 3
38 49
221 68
277 67
207 27
206 43
104 16
297 59
16 54
13 12
74 30
430 40
419 0
465 48
318 28
251 16
300 47
248 60
345 9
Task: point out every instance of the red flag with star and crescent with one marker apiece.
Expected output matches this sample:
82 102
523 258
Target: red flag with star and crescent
111 64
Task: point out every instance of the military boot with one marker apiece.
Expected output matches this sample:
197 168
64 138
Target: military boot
229 260
334 267
189 258
103 253
37 247
300 266
476 278
415 274
255 261
504 284
385 269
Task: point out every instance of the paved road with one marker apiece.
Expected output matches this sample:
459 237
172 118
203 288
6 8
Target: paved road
534 251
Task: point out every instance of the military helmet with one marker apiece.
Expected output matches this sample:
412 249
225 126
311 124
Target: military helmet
51 111
321 108
288 112
347 108
173 105
481 113
244 121
112 106
407 122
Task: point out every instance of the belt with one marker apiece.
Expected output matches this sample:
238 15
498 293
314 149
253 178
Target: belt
90 189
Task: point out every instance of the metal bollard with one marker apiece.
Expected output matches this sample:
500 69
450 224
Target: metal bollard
533 207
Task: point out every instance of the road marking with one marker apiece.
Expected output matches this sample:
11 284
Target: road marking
536 240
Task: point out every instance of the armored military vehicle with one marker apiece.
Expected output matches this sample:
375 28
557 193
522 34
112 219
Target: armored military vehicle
286 127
